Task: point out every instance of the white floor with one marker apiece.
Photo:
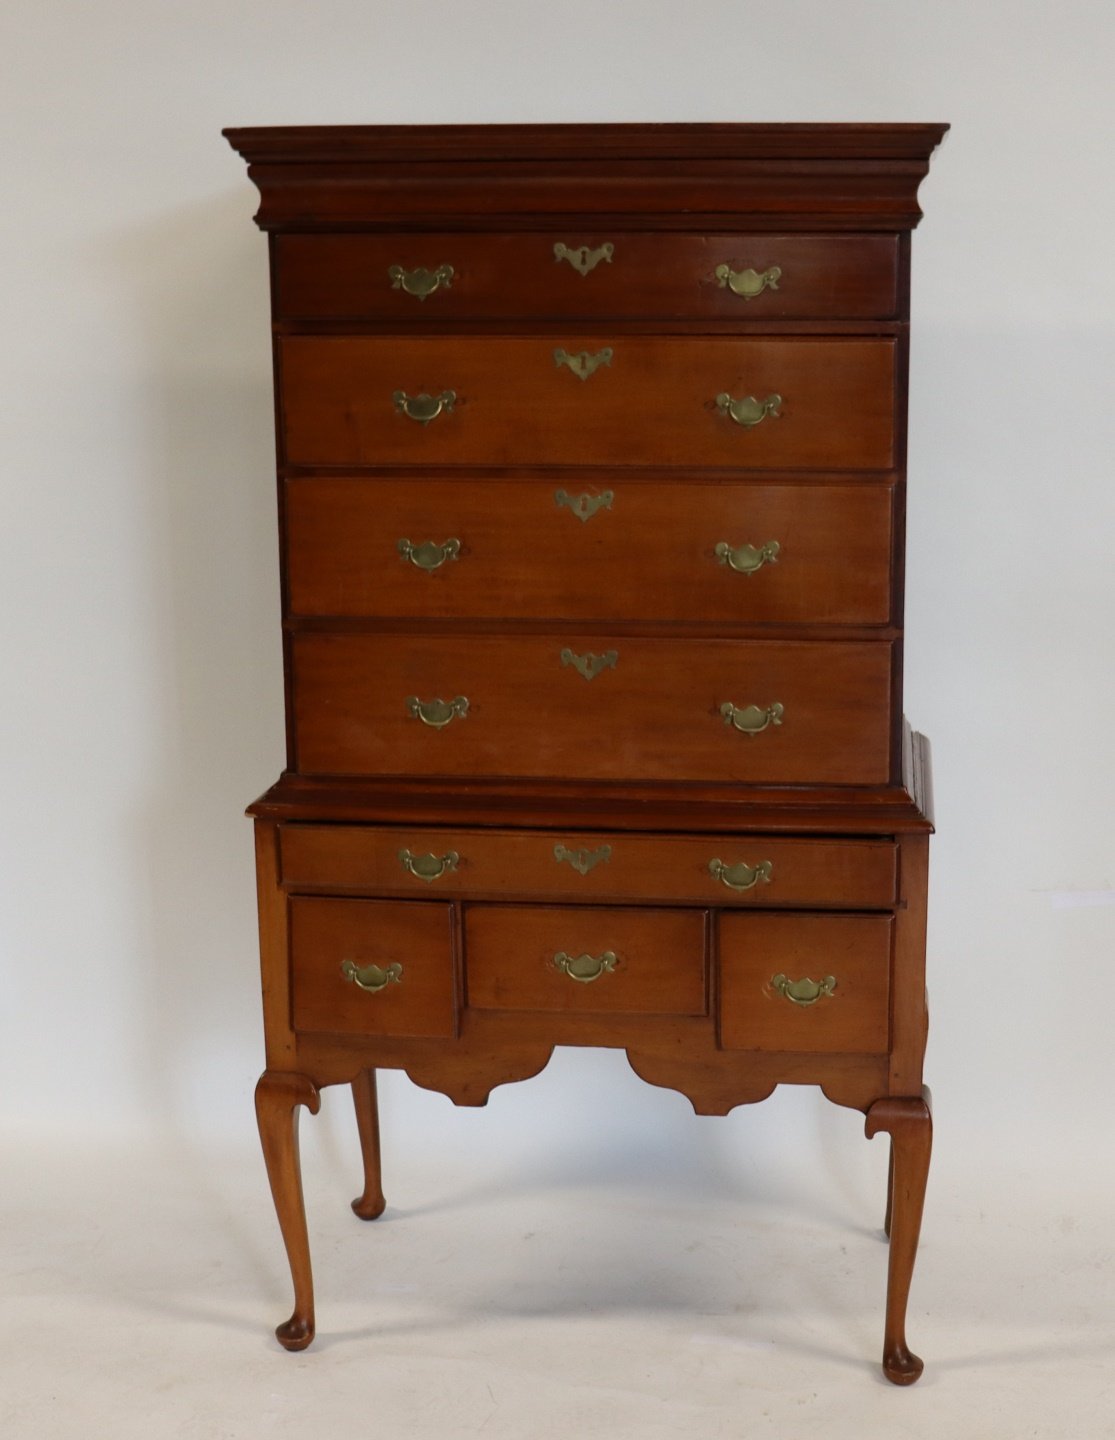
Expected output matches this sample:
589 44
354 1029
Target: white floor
569 1292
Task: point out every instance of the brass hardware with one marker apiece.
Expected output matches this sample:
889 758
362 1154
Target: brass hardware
437 713
582 258
429 867
583 364
805 991
585 968
429 556
372 977
746 559
424 408
748 283
748 412
750 720
741 876
583 860
590 666
420 281
584 506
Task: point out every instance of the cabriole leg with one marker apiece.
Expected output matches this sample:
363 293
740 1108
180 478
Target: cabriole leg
371 1203
278 1096
910 1126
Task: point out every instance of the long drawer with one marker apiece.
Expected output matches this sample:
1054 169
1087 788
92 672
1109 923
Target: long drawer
762 403
591 707
425 278
436 549
735 871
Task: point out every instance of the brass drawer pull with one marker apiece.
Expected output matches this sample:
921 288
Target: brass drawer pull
749 719
583 860
429 867
420 282
372 977
583 364
749 412
585 968
741 876
582 258
424 408
805 991
590 666
748 283
584 506
429 556
745 559
437 713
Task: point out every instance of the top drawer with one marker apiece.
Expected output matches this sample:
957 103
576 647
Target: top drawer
429 278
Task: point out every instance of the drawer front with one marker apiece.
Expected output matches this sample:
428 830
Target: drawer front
818 983
631 962
825 404
592 707
368 967
426 278
745 871
638 550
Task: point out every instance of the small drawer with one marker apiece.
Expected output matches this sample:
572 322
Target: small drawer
743 870
634 550
591 706
369 967
571 398
425 279
585 960
813 983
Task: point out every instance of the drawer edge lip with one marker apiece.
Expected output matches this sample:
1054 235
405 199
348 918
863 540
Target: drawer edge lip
871 811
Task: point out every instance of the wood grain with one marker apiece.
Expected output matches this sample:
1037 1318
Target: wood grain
659 959
324 933
854 949
649 553
654 404
655 715
508 275
521 864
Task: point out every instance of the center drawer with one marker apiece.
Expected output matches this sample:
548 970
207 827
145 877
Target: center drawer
576 706
573 399
629 550
632 962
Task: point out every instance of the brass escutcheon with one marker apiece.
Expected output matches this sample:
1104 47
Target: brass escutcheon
583 364
582 258
583 860
584 506
590 666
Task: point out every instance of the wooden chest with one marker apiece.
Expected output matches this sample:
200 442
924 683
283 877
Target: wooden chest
591 463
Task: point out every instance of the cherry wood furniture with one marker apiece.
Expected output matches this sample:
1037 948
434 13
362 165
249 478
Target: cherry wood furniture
591 457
